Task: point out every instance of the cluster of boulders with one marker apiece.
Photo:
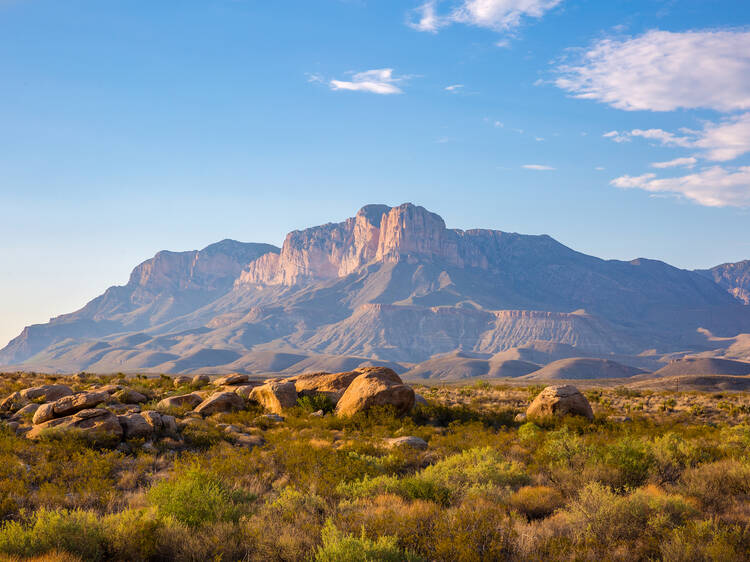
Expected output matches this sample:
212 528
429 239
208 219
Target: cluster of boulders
113 412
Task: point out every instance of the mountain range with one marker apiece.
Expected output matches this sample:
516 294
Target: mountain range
394 286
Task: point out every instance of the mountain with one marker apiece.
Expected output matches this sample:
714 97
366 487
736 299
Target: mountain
703 366
393 285
734 277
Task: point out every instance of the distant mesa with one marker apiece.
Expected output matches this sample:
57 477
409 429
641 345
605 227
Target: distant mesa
395 287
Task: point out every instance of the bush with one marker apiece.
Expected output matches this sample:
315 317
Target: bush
76 532
536 502
700 541
196 497
338 547
718 485
315 403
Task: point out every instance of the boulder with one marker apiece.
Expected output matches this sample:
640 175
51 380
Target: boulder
47 392
98 425
220 402
376 386
84 401
13 402
201 380
243 390
182 380
408 441
130 396
182 401
249 441
110 388
44 413
135 426
332 385
27 410
558 401
231 380
275 396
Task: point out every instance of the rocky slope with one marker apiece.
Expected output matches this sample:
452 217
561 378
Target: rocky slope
734 277
391 284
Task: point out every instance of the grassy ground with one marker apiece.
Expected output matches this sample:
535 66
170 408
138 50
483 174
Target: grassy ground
656 476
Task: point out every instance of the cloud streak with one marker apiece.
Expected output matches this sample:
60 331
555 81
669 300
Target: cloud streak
537 167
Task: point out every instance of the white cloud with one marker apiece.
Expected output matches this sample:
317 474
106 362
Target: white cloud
718 142
378 81
498 15
664 71
616 136
539 167
688 162
713 187
599 168
454 88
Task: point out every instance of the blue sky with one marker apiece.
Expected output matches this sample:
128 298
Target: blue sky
129 126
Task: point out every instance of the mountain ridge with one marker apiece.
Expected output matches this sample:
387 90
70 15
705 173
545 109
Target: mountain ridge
389 284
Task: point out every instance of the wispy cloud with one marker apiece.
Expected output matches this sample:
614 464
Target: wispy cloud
498 15
664 71
712 187
538 167
377 81
454 88
718 142
688 162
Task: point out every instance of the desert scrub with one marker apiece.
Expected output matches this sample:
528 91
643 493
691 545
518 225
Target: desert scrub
338 547
446 480
196 497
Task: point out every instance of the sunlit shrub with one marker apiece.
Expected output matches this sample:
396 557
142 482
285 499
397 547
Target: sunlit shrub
338 547
536 501
197 497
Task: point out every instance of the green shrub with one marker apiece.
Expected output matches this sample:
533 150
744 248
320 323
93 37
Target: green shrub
632 458
708 540
338 547
197 497
76 532
315 403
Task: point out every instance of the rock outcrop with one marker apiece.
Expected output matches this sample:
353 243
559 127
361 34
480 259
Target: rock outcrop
68 405
275 396
559 401
231 380
188 401
97 425
376 386
220 402
47 392
332 385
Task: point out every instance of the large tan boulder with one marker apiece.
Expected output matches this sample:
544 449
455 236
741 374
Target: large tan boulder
275 396
220 402
84 401
188 401
135 426
332 385
47 392
98 425
146 424
44 413
201 380
130 396
231 380
558 401
376 386
182 380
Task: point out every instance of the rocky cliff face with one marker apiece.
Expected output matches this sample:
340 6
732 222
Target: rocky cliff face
734 277
379 234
